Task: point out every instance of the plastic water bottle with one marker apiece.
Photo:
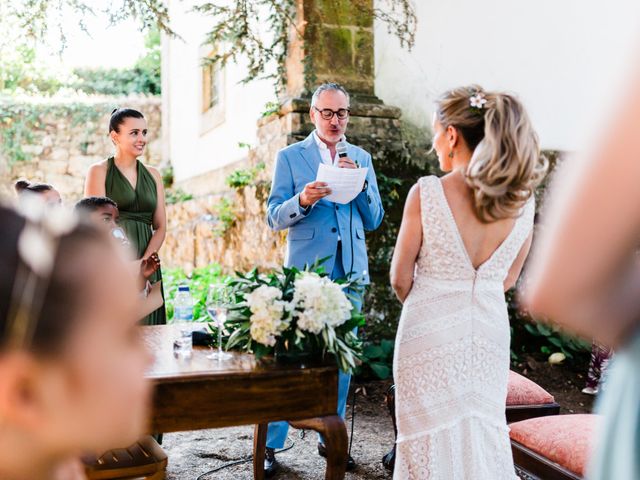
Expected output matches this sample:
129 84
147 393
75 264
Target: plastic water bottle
183 318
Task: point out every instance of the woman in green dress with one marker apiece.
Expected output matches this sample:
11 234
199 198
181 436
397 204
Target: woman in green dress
136 188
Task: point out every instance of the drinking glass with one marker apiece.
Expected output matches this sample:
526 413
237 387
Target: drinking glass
218 302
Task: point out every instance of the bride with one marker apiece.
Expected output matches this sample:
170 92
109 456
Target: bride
462 243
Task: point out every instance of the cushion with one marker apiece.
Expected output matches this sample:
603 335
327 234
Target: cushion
522 391
563 439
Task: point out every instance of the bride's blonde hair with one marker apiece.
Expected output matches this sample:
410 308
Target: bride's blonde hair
506 165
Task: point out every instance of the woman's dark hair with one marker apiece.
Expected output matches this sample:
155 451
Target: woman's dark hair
91 204
119 115
25 186
62 292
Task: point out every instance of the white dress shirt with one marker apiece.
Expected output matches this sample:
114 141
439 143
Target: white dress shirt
325 154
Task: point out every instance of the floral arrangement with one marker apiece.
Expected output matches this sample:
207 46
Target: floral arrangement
295 313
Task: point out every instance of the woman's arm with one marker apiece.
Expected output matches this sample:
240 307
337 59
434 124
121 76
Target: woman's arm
585 278
518 263
94 183
159 217
407 246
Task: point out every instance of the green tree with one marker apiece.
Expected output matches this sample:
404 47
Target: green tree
257 30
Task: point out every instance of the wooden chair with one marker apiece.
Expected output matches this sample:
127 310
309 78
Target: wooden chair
553 448
525 399
144 460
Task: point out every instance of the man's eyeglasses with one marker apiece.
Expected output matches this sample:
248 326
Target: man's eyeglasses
327 113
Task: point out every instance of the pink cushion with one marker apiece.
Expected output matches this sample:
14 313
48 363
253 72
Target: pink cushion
522 391
563 439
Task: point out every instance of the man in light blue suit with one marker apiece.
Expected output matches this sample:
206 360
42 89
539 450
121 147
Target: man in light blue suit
317 227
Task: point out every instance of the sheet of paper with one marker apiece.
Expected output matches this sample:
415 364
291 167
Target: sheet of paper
345 183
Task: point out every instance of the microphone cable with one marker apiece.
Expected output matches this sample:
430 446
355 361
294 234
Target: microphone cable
246 459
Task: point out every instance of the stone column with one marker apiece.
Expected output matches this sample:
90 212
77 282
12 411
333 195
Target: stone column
332 42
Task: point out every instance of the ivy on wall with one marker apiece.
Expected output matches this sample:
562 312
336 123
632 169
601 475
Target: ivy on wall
22 124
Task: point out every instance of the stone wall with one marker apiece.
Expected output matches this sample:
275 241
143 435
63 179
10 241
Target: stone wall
55 141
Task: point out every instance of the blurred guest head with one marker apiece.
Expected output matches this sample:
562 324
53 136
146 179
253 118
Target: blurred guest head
128 132
490 137
71 364
48 193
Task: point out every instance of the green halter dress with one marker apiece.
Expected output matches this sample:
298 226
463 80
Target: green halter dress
136 208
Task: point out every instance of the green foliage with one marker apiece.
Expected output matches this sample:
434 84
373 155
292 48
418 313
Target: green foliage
243 177
529 336
21 72
240 27
555 340
177 195
226 217
23 123
167 177
270 108
377 359
198 282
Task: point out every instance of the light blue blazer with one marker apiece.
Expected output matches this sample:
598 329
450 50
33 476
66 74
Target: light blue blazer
313 233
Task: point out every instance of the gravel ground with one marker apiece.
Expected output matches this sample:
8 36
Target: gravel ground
192 454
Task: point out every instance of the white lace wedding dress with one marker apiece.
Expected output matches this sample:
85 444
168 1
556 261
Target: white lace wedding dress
451 359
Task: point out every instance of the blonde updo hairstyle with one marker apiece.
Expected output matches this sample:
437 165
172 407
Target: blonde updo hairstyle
506 165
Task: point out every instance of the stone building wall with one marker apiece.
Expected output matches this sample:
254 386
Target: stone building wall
55 141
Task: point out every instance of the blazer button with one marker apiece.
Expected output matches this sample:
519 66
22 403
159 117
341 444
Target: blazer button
334 230
337 207
293 215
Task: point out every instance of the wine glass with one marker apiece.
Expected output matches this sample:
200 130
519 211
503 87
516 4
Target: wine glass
218 301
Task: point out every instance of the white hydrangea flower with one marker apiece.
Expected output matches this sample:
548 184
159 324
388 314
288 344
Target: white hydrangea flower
267 312
477 100
321 303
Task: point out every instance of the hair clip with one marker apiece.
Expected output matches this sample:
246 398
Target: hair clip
477 100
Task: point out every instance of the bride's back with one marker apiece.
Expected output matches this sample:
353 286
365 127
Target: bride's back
480 239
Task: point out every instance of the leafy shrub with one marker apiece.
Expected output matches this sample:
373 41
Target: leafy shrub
177 195
226 217
198 282
244 176
555 340
377 359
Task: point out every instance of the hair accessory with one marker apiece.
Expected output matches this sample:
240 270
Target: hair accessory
477 100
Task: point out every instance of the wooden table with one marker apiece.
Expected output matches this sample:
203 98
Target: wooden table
198 393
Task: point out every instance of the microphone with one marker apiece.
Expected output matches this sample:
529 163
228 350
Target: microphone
341 149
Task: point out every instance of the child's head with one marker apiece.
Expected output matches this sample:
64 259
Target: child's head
49 194
100 210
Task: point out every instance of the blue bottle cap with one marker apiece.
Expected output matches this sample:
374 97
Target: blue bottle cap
183 288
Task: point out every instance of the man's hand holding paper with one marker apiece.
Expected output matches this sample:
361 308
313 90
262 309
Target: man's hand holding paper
345 183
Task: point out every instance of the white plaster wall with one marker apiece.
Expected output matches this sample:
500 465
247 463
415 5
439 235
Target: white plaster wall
564 58
190 151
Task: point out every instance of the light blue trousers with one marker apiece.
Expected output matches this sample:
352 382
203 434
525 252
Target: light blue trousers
277 431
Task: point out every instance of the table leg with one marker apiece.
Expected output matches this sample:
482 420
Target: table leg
259 446
334 432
